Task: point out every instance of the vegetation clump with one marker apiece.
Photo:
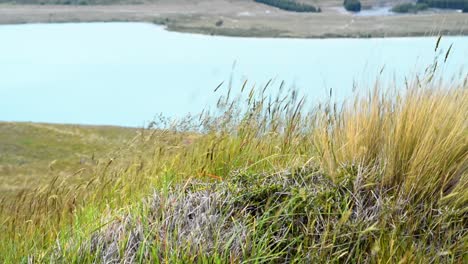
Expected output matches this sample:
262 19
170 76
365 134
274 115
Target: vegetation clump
251 216
409 8
352 5
290 5
446 4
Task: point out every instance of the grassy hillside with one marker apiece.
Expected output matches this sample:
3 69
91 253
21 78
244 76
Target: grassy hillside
380 179
31 154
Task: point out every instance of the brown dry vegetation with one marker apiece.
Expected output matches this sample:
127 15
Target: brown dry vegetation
245 18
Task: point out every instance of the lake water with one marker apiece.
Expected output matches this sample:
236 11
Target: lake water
126 73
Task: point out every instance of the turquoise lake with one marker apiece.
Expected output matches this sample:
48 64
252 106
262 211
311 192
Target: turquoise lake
127 73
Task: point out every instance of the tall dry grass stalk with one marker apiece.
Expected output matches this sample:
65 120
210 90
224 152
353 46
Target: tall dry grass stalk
415 141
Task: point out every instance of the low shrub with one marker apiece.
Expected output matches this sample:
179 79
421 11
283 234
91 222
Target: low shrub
446 4
409 8
290 5
352 5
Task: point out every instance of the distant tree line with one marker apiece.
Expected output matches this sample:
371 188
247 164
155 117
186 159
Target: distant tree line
409 7
448 4
290 5
352 5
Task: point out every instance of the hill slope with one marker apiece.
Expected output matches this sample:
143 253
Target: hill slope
31 153
380 179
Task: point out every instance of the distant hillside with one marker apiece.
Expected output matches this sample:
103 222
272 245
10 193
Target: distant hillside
318 3
30 153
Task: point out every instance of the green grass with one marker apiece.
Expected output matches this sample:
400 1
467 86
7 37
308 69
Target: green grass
380 179
30 152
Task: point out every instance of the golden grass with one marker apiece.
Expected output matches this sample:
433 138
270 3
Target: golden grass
416 141
397 162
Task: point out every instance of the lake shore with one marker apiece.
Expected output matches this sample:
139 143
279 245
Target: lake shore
245 19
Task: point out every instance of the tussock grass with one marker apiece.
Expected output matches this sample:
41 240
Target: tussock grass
382 178
416 143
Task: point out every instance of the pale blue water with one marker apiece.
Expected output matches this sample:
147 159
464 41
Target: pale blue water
126 73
